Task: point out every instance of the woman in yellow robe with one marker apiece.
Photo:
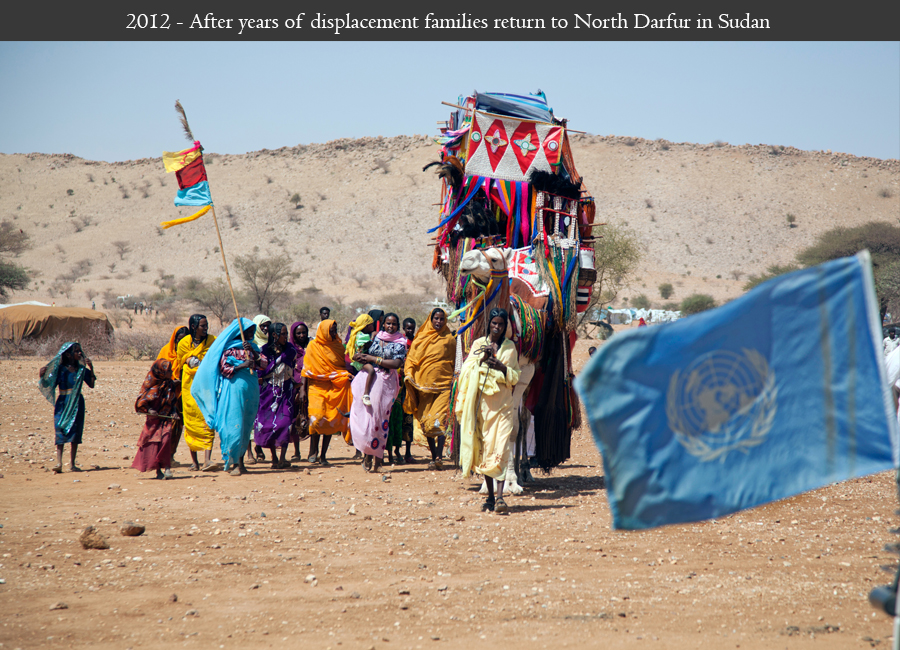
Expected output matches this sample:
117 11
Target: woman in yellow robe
428 373
484 407
191 350
328 389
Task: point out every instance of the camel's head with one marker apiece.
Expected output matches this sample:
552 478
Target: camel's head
481 262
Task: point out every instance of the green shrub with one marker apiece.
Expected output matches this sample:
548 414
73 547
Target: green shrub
696 303
666 290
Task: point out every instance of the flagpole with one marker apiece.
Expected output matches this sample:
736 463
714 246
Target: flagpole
228 276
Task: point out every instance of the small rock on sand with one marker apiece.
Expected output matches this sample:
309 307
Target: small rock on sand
91 538
131 529
59 605
173 598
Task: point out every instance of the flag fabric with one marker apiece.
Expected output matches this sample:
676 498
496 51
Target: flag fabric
191 174
173 161
178 222
194 195
775 393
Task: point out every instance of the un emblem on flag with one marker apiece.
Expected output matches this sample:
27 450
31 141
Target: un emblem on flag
723 401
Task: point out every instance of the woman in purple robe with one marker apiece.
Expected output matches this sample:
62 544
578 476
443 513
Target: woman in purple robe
299 336
276 396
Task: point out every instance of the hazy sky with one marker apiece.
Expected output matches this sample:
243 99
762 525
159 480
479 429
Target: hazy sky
114 101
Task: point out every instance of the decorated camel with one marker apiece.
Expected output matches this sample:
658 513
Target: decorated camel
515 232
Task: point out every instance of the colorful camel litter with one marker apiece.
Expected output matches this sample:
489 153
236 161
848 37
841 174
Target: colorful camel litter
515 231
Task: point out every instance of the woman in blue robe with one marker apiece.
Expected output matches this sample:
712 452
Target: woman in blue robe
68 370
226 389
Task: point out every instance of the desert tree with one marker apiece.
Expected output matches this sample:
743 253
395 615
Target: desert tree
122 248
616 256
666 290
13 241
267 280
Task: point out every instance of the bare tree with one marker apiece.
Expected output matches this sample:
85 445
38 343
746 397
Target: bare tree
214 298
267 279
122 248
616 256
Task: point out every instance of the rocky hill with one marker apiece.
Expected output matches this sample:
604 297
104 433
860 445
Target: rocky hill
708 215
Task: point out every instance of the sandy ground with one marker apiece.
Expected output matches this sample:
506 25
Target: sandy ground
337 558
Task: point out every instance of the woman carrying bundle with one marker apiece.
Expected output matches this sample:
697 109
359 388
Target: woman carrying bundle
429 377
158 399
484 407
191 351
369 422
328 389
276 396
226 390
69 369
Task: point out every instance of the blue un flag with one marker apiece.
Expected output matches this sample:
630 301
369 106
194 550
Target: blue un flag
778 392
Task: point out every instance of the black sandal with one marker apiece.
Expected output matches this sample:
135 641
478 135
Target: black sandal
488 505
501 508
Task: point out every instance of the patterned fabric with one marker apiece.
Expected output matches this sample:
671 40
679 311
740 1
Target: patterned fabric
158 390
276 398
511 149
370 425
523 267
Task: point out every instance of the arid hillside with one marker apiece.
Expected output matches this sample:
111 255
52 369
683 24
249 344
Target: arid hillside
708 215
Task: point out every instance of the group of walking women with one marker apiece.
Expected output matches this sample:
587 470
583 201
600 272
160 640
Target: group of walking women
264 382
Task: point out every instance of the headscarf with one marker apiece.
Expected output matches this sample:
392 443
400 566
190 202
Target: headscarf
378 317
432 355
158 390
325 357
362 321
170 350
47 386
206 384
260 338
301 352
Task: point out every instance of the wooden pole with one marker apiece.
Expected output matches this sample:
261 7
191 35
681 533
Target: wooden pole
228 275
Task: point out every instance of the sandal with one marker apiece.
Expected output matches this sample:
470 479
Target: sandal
313 459
209 467
397 459
439 464
408 458
324 462
488 505
74 468
432 465
194 467
57 469
500 507
250 460
236 471
296 458
167 474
